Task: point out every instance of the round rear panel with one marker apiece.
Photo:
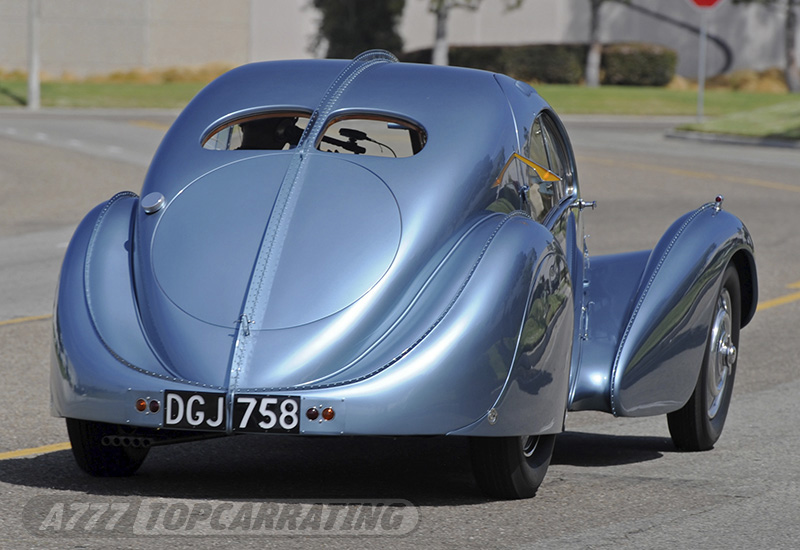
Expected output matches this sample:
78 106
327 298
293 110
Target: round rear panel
342 237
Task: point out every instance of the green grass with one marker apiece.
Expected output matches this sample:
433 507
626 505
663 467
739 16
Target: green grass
634 100
781 121
744 113
103 95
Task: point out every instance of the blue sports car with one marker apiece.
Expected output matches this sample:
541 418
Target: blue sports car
367 247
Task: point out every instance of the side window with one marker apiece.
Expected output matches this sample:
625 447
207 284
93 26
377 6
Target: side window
547 150
509 188
557 155
536 148
524 185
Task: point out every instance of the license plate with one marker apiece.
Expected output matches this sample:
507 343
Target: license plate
252 413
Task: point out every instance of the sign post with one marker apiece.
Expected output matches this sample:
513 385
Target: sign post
34 88
704 6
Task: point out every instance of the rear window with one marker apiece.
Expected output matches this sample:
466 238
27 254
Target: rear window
276 131
373 136
356 135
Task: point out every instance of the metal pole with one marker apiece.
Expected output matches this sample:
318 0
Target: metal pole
701 64
34 96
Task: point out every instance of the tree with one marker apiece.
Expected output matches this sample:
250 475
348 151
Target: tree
349 27
594 56
791 72
595 46
441 9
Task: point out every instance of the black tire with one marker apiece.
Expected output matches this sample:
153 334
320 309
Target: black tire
511 467
101 460
698 425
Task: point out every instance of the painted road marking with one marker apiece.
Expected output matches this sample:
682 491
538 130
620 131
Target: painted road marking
788 299
150 124
18 320
44 449
709 176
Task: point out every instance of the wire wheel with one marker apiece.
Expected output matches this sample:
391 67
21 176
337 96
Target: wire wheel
698 425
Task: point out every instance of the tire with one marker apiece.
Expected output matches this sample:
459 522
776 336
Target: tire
511 467
101 460
698 425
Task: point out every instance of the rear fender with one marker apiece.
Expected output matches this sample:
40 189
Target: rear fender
99 346
533 396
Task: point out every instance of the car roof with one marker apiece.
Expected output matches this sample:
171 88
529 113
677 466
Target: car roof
465 113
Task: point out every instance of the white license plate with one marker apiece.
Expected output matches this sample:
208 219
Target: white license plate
252 413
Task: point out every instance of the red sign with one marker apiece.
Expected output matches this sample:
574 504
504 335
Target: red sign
705 4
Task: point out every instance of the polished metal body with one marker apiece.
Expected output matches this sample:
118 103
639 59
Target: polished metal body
446 292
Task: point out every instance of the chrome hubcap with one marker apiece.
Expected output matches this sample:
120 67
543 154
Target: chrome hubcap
721 354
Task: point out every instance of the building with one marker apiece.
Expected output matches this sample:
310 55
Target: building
83 37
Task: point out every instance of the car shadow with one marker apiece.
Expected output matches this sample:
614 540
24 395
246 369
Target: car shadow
592 450
426 471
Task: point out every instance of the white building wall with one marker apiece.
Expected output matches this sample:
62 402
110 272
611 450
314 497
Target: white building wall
97 36
281 29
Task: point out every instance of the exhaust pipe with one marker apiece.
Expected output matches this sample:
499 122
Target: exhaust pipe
126 441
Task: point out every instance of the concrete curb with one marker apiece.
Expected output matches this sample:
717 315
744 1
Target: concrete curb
730 139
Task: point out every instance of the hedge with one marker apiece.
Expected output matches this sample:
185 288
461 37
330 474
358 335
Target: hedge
625 64
637 64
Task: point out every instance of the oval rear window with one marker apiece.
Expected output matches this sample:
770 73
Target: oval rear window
372 136
273 131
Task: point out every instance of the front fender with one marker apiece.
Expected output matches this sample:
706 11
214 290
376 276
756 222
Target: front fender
661 348
649 315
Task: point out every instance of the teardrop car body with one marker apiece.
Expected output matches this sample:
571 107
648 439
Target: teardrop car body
330 248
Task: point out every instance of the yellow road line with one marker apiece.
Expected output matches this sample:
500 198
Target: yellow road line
783 300
44 449
693 174
788 299
19 320
150 124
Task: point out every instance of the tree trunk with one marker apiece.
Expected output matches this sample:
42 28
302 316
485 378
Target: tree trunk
595 47
440 45
792 72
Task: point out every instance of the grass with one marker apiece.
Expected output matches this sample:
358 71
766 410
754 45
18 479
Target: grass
170 95
634 100
738 112
781 121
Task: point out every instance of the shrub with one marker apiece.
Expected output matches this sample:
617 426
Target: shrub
632 64
488 58
637 64
550 63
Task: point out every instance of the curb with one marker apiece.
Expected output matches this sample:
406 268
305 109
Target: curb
729 139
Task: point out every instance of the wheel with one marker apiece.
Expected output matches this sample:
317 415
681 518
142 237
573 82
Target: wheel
511 467
101 460
698 425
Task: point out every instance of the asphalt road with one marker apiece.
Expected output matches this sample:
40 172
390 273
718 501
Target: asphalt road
616 483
